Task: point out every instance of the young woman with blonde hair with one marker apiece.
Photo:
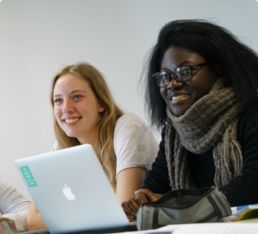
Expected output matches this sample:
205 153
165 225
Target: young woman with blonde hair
85 113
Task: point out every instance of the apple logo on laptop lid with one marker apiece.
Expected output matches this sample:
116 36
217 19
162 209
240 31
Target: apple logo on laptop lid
67 191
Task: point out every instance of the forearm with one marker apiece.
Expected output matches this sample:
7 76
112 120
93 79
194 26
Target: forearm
34 219
128 181
242 190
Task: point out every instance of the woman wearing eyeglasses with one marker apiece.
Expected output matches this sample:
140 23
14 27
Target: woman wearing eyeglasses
201 90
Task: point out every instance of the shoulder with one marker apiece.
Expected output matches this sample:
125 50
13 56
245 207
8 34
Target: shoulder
130 123
248 122
129 119
248 115
4 185
7 189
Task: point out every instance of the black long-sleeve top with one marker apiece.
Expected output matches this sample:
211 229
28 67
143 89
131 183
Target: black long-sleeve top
241 189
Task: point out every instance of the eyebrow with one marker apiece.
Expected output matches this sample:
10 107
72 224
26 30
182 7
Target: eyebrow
178 65
74 91
184 63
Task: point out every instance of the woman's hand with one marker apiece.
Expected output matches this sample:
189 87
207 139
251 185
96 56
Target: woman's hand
141 196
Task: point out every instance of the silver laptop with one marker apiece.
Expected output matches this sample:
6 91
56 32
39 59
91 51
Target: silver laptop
71 190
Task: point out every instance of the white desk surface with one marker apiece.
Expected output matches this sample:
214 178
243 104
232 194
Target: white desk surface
249 226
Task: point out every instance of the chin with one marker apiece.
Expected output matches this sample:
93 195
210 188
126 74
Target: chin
177 111
70 134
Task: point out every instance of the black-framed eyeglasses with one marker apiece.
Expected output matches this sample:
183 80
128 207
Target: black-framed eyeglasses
181 73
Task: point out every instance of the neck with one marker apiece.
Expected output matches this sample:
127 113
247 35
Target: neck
91 139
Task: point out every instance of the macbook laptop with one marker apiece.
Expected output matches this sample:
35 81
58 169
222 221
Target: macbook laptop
72 191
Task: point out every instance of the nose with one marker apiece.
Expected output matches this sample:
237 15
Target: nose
175 84
67 105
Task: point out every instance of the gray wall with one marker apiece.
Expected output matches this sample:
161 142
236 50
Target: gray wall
38 37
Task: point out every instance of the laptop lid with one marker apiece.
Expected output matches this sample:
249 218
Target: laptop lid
71 190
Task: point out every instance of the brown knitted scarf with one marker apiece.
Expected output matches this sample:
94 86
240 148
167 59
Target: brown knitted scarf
208 124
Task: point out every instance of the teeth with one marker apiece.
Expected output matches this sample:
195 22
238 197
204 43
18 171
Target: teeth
178 98
70 121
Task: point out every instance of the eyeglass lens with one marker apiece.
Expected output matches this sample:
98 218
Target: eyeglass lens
182 73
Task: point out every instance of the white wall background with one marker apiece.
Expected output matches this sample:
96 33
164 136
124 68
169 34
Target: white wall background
38 37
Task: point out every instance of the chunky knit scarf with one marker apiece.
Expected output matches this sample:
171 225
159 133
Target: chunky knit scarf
209 124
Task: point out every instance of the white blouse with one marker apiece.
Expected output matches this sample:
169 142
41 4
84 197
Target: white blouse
134 143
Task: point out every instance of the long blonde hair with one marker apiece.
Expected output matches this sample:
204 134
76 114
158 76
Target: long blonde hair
108 118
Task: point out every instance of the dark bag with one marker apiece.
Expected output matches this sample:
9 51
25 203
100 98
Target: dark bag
184 206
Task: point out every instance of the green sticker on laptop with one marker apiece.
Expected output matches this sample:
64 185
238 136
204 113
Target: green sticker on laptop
26 172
